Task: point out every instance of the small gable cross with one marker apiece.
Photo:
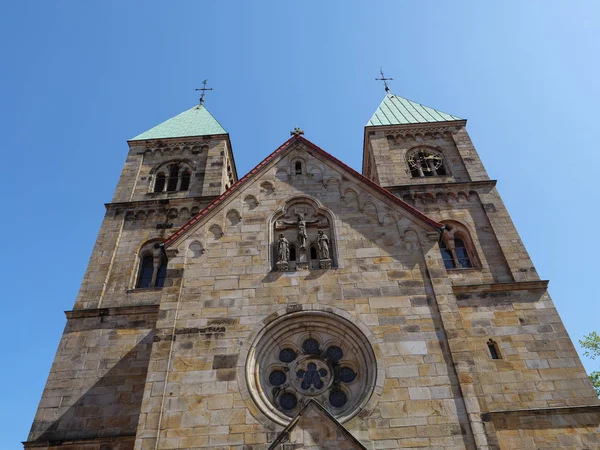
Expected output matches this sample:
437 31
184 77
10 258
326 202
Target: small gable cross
297 132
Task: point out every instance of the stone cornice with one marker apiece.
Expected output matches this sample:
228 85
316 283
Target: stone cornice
167 143
500 287
488 416
442 187
158 202
418 127
118 311
83 441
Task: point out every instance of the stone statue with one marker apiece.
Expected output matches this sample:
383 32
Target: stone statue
323 244
283 249
302 236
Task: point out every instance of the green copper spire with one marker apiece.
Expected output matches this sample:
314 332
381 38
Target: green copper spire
396 110
196 121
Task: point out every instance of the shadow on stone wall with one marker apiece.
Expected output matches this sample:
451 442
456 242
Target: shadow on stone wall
111 407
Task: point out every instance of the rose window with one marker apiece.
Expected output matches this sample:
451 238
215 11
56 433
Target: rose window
311 355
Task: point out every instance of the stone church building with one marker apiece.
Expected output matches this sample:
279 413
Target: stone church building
308 306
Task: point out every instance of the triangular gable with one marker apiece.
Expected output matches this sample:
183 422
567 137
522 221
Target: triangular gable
315 427
319 152
196 121
396 110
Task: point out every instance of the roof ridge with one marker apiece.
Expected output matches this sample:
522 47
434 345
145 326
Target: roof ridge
236 186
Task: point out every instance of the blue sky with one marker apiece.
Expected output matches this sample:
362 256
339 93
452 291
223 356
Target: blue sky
79 78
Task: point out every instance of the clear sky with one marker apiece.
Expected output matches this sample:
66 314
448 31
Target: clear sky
79 78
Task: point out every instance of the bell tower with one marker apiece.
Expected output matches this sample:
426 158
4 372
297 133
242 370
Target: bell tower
426 157
172 171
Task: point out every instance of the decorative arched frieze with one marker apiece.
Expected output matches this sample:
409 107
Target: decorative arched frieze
233 218
350 197
282 175
316 173
369 209
425 134
250 203
215 232
267 188
195 249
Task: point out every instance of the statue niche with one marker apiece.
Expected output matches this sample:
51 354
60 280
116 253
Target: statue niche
300 228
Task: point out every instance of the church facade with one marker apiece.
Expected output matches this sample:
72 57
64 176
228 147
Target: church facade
308 306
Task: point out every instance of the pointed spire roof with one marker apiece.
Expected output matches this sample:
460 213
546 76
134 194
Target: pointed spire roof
196 121
395 110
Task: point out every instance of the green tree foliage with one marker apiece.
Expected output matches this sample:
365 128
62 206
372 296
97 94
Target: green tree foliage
591 345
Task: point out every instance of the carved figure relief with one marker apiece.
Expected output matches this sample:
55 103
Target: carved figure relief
323 243
283 253
301 224
310 229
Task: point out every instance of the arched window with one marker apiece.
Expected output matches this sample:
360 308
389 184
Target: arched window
185 180
456 247
146 271
447 256
426 162
313 252
159 184
153 267
292 252
173 178
298 168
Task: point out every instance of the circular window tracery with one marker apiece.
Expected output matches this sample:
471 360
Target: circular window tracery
426 162
311 355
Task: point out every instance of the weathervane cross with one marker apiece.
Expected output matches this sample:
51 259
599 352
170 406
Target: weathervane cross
203 89
384 79
297 132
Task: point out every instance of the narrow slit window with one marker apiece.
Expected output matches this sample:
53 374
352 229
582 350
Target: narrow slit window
493 347
159 185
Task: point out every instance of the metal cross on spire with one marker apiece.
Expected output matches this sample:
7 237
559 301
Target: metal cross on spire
384 79
203 89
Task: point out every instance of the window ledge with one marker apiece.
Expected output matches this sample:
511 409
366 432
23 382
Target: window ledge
149 289
433 177
464 269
